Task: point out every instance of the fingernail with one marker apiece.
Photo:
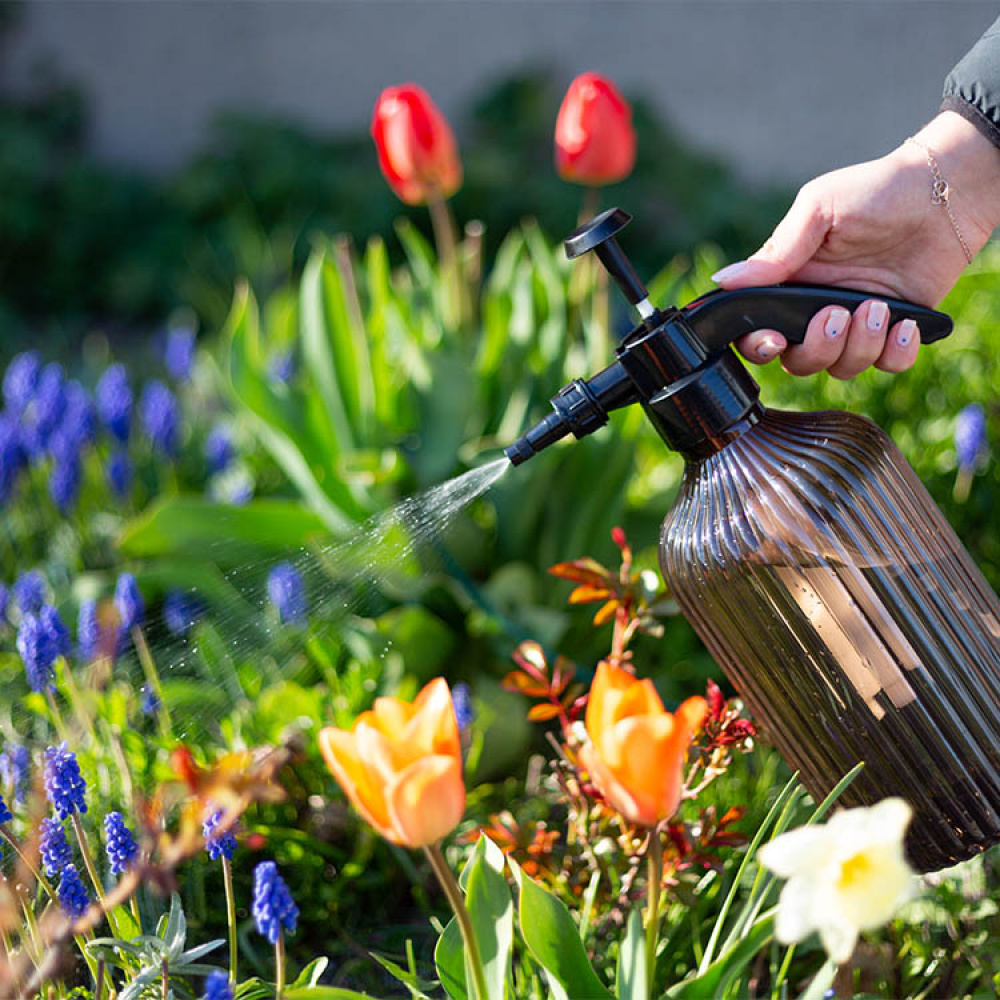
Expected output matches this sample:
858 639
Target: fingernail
767 349
731 271
906 331
878 314
836 323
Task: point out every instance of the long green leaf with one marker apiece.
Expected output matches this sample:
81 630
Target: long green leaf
821 982
195 526
631 978
551 936
449 960
491 910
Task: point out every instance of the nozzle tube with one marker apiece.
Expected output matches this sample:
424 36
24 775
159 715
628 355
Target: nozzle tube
580 409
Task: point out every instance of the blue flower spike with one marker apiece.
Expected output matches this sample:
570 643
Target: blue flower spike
88 630
58 633
15 763
287 592
73 896
970 435
122 850
178 356
129 602
273 908
38 651
54 847
5 814
217 986
114 402
29 592
158 409
218 844
64 785
118 473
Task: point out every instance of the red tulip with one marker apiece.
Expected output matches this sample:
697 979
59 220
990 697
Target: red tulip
416 147
595 140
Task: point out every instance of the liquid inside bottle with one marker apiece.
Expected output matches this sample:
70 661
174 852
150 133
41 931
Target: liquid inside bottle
822 577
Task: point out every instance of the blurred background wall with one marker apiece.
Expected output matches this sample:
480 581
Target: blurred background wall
782 90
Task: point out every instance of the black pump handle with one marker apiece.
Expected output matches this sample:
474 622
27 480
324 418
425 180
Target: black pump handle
721 316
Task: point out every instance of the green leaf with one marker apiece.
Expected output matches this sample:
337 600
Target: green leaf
195 526
322 993
491 910
715 980
554 942
449 960
822 981
418 987
631 979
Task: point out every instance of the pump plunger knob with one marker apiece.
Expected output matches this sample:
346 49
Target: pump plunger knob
599 235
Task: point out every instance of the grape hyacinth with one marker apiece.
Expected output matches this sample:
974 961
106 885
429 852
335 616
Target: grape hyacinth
79 422
58 633
11 455
119 474
114 402
179 353
461 698
5 814
64 785
14 764
73 896
158 408
20 381
273 906
29 590
282 367
217 986
180 612
970 436
45 412
219 451
120 844
54 847
128 602
287 592
64 479
149 701
38 651
88 630
218 845
4 601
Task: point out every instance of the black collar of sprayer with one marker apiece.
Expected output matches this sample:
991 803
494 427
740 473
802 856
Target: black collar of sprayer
693 398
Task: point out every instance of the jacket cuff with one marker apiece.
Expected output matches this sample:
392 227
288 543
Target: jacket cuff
986 126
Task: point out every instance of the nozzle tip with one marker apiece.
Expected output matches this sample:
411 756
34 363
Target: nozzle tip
520 451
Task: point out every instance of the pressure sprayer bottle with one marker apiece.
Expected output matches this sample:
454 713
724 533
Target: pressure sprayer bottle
811 560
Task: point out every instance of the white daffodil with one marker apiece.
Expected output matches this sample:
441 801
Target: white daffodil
843 878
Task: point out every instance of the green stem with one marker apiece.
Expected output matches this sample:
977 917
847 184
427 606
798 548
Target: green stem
135 913
227 878
153 679
39 877
88 862
83 717
454 894
279 966
57 719
446 239
654 859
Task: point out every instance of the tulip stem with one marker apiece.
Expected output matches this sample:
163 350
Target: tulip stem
454 893
654 859
446 238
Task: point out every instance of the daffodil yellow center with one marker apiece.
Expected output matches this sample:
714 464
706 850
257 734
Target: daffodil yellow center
855 871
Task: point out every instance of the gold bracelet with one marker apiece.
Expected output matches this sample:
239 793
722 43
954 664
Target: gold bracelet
940 193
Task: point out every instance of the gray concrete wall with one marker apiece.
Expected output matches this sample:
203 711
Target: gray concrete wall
782 89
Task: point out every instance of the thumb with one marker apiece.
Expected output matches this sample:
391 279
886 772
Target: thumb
792 244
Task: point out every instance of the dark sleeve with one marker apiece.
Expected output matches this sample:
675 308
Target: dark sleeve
972 88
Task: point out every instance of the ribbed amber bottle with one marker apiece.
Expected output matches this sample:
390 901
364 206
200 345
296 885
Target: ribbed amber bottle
822 577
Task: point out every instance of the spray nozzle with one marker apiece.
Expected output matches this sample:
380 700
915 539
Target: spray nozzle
677 362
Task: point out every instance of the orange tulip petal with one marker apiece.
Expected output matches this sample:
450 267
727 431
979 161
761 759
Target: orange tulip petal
691 713
390 716
640 699
605 692
426 801
615 793
652 761
433 728
339 749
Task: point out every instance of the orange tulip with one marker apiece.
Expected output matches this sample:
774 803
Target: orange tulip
595 140
401 766
636 752
416 147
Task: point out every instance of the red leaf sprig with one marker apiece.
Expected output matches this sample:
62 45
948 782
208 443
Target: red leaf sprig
553 685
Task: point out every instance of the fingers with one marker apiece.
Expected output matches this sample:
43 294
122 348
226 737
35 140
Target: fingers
837 341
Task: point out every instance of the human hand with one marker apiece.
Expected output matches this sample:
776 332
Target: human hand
873 227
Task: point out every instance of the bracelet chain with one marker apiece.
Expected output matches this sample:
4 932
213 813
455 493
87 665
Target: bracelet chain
941 194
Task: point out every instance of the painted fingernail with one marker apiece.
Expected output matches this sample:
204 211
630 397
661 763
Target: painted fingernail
767 349
731 271
878 316
906 331
836 323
